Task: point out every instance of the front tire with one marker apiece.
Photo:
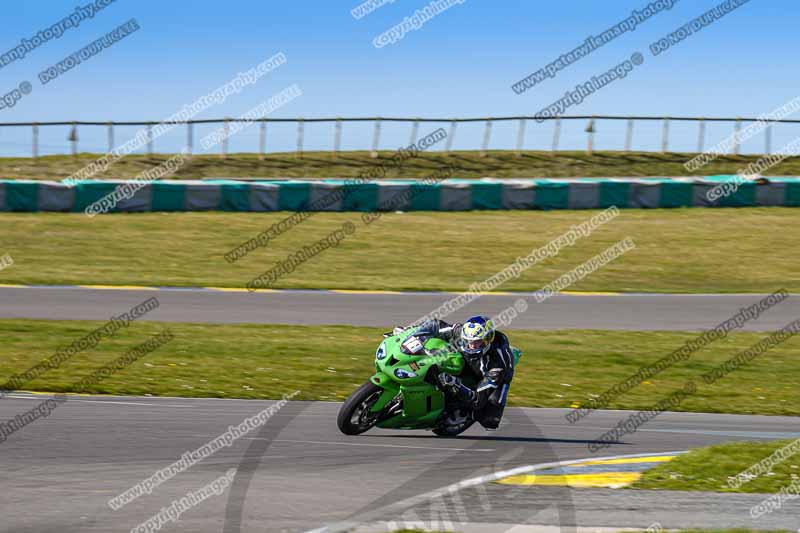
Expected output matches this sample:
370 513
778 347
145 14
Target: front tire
355 416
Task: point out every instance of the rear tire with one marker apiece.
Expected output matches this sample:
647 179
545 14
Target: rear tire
452 426
354 415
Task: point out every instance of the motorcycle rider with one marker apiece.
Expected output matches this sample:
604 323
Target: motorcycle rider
488 357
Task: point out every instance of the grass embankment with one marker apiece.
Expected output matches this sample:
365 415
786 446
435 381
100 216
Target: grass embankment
558 368
708 469
681 250
497 163
734 530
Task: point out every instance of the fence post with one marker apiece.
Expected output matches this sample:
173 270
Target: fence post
35 140
149 139
590 139
737 128
189 138
665 136
450 136
487 134
701 136
300 134
414 132
262 139
520 136
110 137
556 134
629 135
376 138
768 139
73 138
337 137
226 129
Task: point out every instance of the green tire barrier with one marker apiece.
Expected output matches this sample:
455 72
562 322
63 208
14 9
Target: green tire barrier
393 195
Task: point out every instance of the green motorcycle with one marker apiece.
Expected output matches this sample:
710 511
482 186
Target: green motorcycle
402 394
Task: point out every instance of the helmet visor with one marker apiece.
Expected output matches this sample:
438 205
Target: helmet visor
474 346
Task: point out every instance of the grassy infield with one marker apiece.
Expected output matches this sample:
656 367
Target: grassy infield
677 250
747 250
558 369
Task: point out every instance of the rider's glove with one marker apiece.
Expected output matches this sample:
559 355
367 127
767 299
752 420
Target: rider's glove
451 384
447 381
396 331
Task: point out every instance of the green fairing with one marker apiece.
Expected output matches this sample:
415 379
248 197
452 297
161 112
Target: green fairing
423 404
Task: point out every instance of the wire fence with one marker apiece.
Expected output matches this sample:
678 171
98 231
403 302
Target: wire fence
591 130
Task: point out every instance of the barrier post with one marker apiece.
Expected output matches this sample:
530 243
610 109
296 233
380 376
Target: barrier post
226 129
556 135
189 138
337 137
520 136
300 134
629 135
73 139
376 138
768 139
35 140
262 139
701 136
665 136
590 130
450 137
414 131
487 134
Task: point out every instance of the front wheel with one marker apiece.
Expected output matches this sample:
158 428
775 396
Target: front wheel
355 416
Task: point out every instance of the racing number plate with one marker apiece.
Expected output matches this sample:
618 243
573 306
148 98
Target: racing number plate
412 345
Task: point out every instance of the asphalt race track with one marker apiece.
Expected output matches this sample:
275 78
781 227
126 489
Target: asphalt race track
297 472
596 311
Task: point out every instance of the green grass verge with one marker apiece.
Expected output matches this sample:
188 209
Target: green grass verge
497 163
733 530
680 250
558 368
707 469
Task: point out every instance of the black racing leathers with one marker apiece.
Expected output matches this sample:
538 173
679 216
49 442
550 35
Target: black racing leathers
493 372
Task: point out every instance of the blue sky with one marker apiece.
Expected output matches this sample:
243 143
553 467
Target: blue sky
461 63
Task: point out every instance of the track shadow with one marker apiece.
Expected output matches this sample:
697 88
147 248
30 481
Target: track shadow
493 438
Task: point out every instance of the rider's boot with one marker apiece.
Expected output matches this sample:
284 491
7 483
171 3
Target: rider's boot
491 414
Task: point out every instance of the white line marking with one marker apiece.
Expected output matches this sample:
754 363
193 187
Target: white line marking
131 403
376 445
174 398
64 490
74 399
688 431
456 487
731 433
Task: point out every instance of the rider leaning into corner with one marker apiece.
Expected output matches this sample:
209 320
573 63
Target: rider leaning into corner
488 357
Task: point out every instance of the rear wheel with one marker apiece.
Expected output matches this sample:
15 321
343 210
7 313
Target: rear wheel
355 416
455 423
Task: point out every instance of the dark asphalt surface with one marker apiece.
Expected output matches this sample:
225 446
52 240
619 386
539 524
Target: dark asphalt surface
298 472
624 312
